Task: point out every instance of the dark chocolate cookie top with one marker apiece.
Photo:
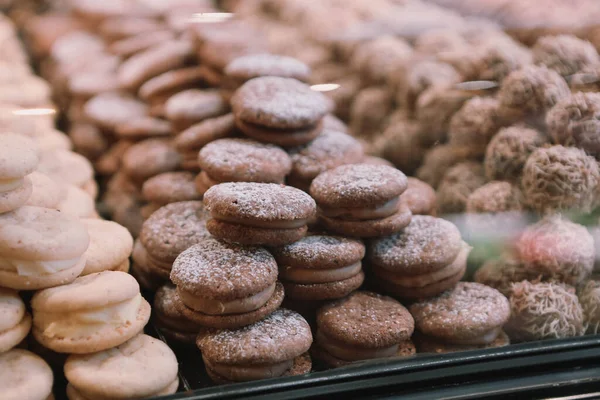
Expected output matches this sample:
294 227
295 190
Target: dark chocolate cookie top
217 270
358 185
366 320
283 335
320 251
256 65
259 201
275 102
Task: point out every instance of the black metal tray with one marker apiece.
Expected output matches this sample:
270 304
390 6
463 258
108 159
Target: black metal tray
542 369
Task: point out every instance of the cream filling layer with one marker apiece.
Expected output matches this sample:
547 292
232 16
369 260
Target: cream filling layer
243 373
484 339
8 185
217 307
364 214
309 276
87 322
352 353
32 268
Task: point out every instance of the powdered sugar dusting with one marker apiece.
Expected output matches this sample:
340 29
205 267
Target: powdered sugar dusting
281 336
327 151
366 319
259 201
279 103
215 269
426 244
320 251
469 310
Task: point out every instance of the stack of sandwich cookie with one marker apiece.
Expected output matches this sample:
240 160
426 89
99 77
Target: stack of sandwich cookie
276 346
469 316
18 159
320 267
362 326
281 111
169 231
361 200
221 285
171 322
15 321
258 213
40 248
141 367
425 259
241 160
93 313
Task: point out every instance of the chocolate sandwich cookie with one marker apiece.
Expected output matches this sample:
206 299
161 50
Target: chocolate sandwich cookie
18 158
23 375
166 188
258 213
144 127
247 67
194 138
107 110
241 160
40 248
222 285
362 326
276 346
469 315
150 157
281 111
191 106
320 267
329 150
142 367
170 321
169 231
420 197
423 260
93 313
110 247
361 200
15 321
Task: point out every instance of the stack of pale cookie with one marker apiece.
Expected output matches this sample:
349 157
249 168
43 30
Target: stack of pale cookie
76 299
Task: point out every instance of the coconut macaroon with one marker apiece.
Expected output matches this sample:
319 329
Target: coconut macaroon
475 123
544 311
508 151
369 110
18 158
498 57
589 297
400 143
495 197
15 321
94 313
565 54
439 159
501 273
376 59
560 178
529 92
40 248
457 185
573 121
557 249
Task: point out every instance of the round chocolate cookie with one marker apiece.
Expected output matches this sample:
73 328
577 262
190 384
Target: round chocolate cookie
329 150
170 321
258 213
150 157
191 106
320 267
224 285
171 230
362 326
361 200
273 347
419 197
194 138
280 137
281 103
251 66
243 160
170 187
469 314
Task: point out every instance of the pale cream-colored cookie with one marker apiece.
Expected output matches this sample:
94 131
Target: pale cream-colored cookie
18 158
110 246
40 248
77 202
46 192
25 376
139 368
15 321
94 313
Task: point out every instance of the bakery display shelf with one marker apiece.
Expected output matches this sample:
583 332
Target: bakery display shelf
551 367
